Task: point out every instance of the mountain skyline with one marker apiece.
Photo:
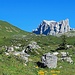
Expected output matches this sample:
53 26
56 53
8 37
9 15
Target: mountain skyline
53 27
27 14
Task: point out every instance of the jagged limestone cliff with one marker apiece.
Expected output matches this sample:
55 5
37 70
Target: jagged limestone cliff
53 27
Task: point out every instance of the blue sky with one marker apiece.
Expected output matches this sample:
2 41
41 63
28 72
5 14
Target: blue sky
28 14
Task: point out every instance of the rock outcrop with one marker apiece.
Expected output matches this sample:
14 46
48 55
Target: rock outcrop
53 27
49 60
32 46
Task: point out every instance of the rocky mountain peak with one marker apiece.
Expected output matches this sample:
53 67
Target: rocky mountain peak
48 22
52 27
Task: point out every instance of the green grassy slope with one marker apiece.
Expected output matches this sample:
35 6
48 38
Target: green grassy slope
8 30
11 65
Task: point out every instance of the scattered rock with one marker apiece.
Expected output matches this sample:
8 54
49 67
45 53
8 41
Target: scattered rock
64 54
10 49
49 60
69 46
32 45
68 59
55 53
60 66
16 47
7 53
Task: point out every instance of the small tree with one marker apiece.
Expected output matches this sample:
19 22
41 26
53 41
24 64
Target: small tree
2 51
64 42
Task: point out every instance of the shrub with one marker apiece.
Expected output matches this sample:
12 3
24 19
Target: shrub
63 43
2 51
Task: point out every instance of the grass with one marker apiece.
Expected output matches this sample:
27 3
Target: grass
10 65
8 30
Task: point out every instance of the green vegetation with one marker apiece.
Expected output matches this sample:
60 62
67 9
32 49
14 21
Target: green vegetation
11 65
8 30
63 44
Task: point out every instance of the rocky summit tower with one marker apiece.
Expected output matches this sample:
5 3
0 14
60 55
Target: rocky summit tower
52 27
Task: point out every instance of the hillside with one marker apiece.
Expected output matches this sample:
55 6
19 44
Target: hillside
13 65
8 30
12 62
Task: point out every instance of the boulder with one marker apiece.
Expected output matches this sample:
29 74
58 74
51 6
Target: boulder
32 45
55 53
68 59
10 49
49 60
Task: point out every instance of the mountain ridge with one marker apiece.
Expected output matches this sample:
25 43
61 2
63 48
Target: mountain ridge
52 27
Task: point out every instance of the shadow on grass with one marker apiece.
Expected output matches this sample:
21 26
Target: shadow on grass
41 65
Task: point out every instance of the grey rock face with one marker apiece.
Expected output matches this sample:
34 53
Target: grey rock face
31 46
10 49
49 60
53 27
